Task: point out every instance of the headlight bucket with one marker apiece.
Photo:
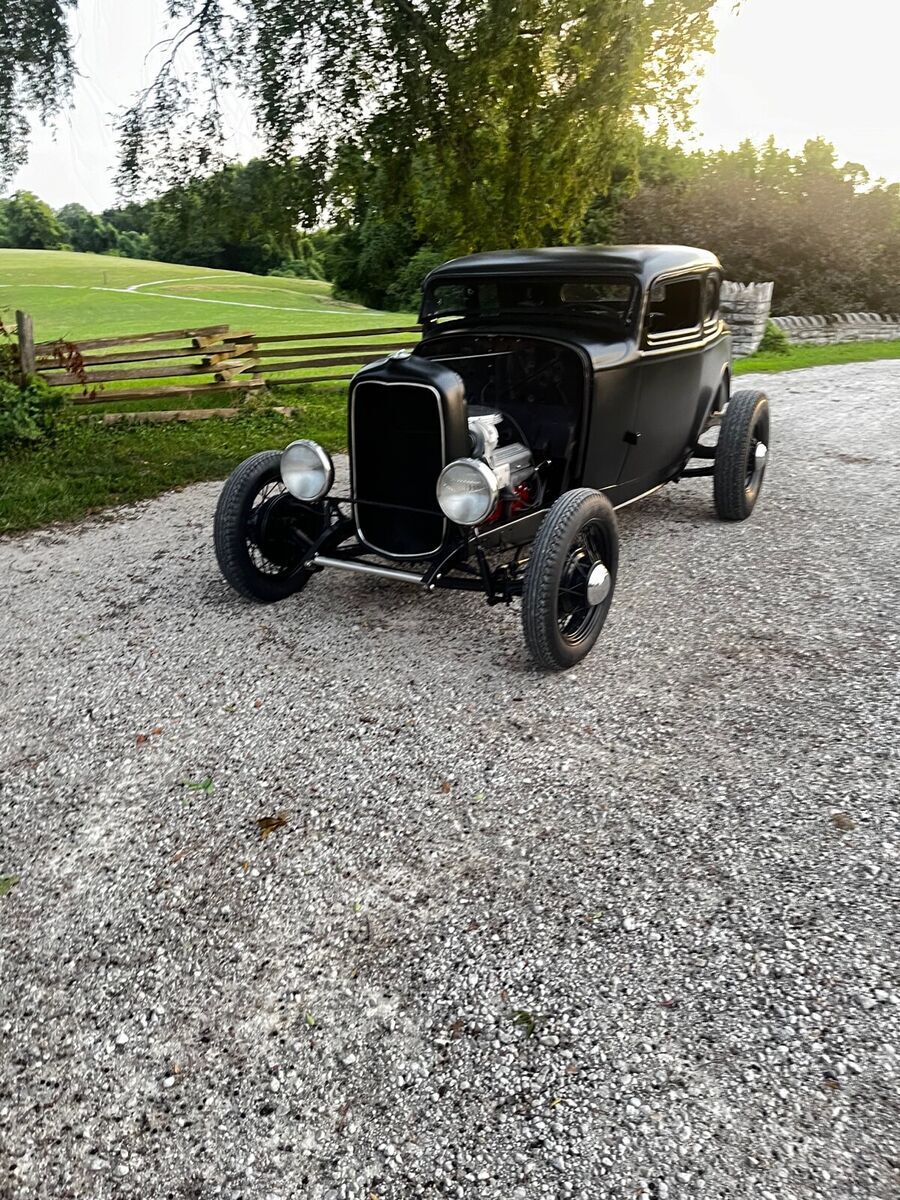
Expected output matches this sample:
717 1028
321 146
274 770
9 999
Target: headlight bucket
467 491
306 470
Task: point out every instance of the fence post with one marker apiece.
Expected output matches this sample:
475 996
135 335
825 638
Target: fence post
25 330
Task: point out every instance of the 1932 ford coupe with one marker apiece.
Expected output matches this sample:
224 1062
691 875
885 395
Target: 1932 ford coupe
550 388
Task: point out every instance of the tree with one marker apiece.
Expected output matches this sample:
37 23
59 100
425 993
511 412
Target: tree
87 232
488 123
828 238
242 218
36 71
132 217
31 224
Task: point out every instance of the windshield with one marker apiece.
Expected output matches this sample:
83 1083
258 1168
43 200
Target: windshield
612 299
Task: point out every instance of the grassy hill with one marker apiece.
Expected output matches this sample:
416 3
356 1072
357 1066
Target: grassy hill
90 295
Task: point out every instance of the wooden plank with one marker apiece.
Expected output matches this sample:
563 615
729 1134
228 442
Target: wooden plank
223 353
318 362
244 385
161 416
130 356
134 339
236 366
327 337
360 347
25 334
201 342
300 379
67 379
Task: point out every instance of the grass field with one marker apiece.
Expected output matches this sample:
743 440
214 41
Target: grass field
72 296
75 296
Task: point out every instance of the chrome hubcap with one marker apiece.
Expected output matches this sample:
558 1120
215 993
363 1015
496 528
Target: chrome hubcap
756 467
598 584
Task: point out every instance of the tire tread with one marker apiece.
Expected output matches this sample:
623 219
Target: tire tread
730 471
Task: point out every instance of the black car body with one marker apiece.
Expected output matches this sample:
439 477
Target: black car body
549 388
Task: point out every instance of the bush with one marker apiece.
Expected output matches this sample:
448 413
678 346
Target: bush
28 413
774 341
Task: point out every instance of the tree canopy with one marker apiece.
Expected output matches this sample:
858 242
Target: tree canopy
36 71
478 122
826 235
29 224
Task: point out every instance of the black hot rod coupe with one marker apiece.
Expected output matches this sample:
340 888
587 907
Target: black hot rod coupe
550 388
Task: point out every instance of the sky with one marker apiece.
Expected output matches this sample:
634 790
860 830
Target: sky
795 68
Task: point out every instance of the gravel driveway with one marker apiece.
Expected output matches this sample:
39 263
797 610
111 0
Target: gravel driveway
630 931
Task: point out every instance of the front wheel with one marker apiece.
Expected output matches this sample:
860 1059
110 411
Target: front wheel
253 533
570 578
742 454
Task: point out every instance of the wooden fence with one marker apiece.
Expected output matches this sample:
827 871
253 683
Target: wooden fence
216 358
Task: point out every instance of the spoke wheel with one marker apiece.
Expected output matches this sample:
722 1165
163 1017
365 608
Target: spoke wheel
583 587
256 531
267 533
570 579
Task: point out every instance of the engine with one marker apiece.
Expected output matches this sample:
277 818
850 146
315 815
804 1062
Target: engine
490 439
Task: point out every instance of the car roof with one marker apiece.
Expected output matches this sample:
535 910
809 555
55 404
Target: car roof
647 262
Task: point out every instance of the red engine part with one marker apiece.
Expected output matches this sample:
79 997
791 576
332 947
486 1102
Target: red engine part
507 507
524 497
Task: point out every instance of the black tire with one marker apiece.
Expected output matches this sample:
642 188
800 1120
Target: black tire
738 474
579 531
255 553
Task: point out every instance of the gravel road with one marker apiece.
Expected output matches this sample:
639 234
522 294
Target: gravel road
631 931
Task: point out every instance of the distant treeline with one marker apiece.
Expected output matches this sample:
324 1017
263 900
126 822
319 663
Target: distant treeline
245 217
826 234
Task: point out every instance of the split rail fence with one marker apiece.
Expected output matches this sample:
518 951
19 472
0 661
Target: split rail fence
194 364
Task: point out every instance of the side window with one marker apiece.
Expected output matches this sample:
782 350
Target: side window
674 308
711 290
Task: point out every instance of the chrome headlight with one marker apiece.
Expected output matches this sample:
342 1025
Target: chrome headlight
306 470
467 491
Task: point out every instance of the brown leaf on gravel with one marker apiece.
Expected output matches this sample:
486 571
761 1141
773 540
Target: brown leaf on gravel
267 825
446 786
843 821
140 739
257 703
156 731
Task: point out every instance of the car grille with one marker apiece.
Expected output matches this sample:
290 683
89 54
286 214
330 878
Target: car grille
397 453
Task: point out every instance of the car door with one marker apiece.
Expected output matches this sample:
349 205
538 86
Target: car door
670 371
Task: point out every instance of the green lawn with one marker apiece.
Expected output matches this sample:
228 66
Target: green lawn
93 467
81 296
76 296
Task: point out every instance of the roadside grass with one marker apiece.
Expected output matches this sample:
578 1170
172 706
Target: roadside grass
800 357
90 467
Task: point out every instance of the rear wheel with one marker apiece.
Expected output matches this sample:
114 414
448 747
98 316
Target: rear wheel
257 551
570 579
742 454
